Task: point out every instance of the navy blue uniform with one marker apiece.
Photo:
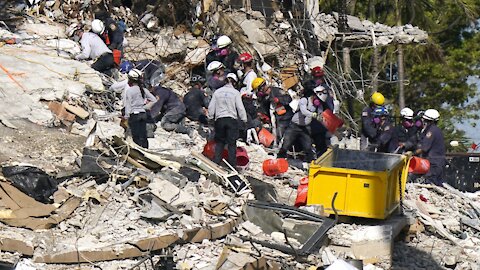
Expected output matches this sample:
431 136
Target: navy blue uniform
319 131
405 136
369 129
115 34
383 140
433 149
284 99
195 102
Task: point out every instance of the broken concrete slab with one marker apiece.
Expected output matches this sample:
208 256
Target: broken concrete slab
28 213
108 253
78 111
61 112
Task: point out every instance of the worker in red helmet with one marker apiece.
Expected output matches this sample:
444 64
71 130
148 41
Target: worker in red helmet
247 73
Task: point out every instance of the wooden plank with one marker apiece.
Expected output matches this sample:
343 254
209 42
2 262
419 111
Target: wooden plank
80 112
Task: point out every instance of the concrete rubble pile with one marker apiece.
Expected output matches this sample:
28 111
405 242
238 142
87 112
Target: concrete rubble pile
110 204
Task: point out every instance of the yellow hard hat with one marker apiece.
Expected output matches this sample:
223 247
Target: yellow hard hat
257 82
378 98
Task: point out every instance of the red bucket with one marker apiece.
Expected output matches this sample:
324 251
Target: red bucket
242 155
273 167
302 192
117 56
331 121
265 137
418 165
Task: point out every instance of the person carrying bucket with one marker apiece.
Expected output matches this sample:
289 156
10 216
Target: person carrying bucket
277 100
432 146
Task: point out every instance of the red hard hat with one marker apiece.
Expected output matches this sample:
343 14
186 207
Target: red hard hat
245 57
317 72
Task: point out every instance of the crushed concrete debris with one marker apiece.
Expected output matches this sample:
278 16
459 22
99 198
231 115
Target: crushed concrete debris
119 205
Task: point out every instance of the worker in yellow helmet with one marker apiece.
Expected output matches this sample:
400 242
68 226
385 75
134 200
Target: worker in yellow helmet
369 127
274 100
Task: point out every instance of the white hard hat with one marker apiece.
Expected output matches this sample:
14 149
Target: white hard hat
407 113
135 74
431 114
97 26
72 28
318 89
214 65
223 41
233 76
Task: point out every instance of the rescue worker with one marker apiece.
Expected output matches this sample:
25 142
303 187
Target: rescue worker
317 78
225 109
299 129
93 48
277 100
382 142
247 73
136 98
108 29
369 130
432 146
223 53
405 134
323 101
218 78
169 110
196 100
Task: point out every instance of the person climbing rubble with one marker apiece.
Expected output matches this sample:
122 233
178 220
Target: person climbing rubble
92 48
196 100
111 33
217 78
432 146
247 72
136 98
383 141
405 134
225 109
169 110
322 101
275 100
369 128
223 53
299 129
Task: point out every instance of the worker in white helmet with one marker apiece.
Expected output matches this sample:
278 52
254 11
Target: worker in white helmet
217 78
432 146
92 48
135 100
405 134
223 52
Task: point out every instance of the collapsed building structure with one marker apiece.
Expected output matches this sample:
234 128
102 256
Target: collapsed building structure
110 204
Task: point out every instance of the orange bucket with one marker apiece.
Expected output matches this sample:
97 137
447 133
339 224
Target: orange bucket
242 155
418 165
302 192
273 167
117 56
331 121
265 137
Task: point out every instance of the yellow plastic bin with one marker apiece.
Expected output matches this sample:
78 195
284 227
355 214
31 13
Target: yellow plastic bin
367 183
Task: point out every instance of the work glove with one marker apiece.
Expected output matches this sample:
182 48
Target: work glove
314 115
239 74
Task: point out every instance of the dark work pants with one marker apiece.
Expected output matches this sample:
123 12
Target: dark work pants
435 174
138 126
298 133
104 63
281 128
226 132
319 137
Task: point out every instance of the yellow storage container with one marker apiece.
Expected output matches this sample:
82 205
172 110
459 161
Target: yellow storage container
368 183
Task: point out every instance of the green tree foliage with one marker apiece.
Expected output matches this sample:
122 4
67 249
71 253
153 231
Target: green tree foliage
439 73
